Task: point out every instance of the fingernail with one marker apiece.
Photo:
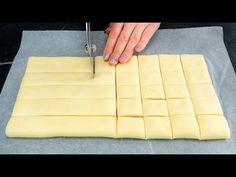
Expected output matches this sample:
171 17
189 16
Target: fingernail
138 48
106 56
123 59
113 63
113 60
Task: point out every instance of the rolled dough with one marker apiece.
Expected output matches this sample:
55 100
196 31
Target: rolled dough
176 91
152 91
66 91
148 63
52 107
61 126
65 78
170 63
158 127
150 97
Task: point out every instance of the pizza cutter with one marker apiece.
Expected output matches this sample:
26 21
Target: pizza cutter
90 48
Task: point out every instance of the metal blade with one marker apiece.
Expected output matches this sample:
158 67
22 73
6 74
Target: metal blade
90 48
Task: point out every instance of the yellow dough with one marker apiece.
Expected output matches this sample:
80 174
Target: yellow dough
152 91
158 128
193 62
130 127
131 65
155 108
127 78
148 63
197 77
101 66
129 107
31 79
176 91
185 126
207 105
54 126
213 127
58 64
128 91
65 107
170 63
150 97
201 90
173 77
150 78
67 64
69 91
180 106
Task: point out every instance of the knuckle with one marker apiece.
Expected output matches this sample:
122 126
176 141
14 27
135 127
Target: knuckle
108 48
142 42
113 34
134 39
128 51
116 53
123 38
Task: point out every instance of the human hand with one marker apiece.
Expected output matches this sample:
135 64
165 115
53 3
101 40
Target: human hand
126 38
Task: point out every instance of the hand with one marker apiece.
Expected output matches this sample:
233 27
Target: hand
125 38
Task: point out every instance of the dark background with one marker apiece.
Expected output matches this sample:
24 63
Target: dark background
10 37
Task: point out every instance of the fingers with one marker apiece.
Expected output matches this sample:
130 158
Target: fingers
146 36
121 43
115 30
107 30
133 41
125 38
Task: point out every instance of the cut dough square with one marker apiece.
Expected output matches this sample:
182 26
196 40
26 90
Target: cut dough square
69 91
155 108
58 64
88 107
129 107
170 63
128 91
131 65
130 127
150 78
152 91
102 66
185 126
173 77
197 77
176 91
148 63
201 90
193 62
127 78
157 128
61 126
213 127
180 106
32 79
207 105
